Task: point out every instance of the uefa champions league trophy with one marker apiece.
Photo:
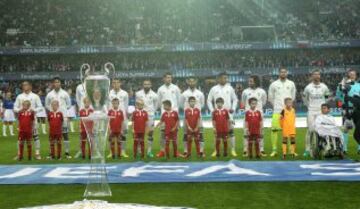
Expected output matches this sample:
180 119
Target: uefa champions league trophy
97 87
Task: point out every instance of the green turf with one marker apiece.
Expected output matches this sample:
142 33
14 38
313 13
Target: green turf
8 148
200 195
290 195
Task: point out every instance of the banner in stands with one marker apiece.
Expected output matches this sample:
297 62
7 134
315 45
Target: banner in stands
222 171
185 47
235 75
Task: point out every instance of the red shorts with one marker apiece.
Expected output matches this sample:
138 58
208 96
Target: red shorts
83 135
23 136
139 135
171 136
117 135
55 136
221 135
254 136
193 134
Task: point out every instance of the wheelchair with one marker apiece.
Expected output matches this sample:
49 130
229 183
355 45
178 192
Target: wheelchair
324 147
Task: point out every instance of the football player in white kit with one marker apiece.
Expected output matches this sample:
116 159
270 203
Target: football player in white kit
224 90
254 91
123 96
150 99
79 97
171 92
71 113
279 90
192 91
59 94
315 94
41 115
35 105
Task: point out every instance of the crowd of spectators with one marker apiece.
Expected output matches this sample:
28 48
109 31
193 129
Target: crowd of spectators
112 22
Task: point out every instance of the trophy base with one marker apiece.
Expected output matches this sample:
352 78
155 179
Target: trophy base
99 204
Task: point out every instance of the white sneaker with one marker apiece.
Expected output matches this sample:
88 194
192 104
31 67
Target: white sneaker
37 157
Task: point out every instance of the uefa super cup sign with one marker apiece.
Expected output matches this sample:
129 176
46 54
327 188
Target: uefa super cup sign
97 87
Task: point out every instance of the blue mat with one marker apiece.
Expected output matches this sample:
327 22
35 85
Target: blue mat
154 172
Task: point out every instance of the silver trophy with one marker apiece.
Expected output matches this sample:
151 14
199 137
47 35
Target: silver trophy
97 87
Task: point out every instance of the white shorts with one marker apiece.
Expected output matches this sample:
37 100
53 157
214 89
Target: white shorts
9 115
41 114
71 112
125 125
311 117
131 109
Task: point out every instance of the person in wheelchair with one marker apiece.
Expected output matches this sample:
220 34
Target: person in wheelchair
328 140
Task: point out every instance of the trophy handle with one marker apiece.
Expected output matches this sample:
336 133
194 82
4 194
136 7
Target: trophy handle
83 67
109 67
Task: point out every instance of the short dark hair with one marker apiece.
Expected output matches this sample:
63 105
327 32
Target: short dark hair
167 103
282 68
222 74
26 81
256 80
252 99
191 98
316 70
219 100
115 99
166 74
287 99
325 105
57 78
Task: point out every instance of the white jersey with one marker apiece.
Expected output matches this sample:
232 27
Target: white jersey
62 96
34 101
315 96
169 92
278 91
199 96
226 92
123 97
150 101
80 94
257 93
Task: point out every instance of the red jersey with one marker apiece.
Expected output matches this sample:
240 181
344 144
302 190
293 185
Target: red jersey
170 120
55 122
192 116
116 120
84 113
26 121
139 118
253 119
221 118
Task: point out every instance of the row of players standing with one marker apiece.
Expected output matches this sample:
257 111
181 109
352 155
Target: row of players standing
315 94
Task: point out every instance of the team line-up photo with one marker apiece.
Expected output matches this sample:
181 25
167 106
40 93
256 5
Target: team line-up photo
29 113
